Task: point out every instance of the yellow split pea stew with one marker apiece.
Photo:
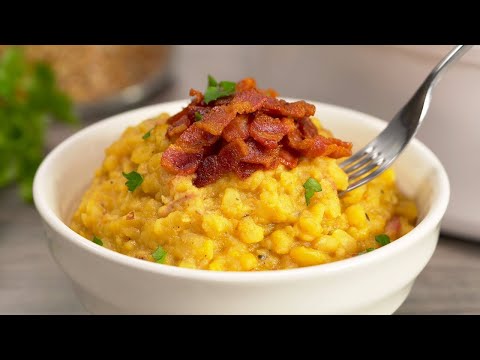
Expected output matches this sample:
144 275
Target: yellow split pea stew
233 211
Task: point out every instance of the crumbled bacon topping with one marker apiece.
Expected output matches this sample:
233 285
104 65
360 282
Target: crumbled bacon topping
248 131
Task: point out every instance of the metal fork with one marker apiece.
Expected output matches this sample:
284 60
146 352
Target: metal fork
376 156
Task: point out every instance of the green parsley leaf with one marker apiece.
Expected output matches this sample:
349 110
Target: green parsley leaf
148 134
365 251
134 180
382 239
212 81
198 116
218 90
311 187
29 99
228 86
97 241
159 255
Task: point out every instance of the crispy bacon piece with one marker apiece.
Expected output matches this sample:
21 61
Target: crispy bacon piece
278 107
198 96
195 139
248 101
258 154
246 84
319 146
269 131
173 119
295 140
331 147
237 129
248 131
217 119
244 170
270 92
178 127
307 127
234 151
393 227
210 170
177 161
222 101
288 159
213 167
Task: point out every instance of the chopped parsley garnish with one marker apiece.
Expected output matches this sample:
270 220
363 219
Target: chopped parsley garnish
134 180
212 81
382 239
148 134
198 116
311 187
217 90
97 241
159 255
366 251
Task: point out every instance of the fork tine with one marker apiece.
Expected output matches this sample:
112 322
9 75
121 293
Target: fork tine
355 157
359 164
365 170
365 151
384 166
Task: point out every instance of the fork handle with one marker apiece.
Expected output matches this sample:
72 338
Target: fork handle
451 58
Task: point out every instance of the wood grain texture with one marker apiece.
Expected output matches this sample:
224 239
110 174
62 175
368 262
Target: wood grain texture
31 282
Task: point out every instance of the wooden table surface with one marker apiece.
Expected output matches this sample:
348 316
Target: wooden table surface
31 282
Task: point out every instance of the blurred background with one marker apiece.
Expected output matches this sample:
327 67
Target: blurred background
103 80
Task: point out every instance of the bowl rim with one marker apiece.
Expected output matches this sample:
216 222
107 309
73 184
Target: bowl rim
426 226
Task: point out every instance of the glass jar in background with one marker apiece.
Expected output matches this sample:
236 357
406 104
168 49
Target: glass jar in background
105 79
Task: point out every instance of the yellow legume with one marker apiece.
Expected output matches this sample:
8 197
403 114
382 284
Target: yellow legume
259 223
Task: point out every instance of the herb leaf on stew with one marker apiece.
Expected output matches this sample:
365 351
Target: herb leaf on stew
97 241
382 239
148 134
198 116
134 180
366 251
159 255
218 90
311 187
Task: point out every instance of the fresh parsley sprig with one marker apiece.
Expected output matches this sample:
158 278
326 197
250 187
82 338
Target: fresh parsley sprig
198 116
147 134
216 90
366 251
29 98
159 255
311 186
134 180
97 240
382 239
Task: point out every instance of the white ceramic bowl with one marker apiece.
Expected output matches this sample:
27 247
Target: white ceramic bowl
108 282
